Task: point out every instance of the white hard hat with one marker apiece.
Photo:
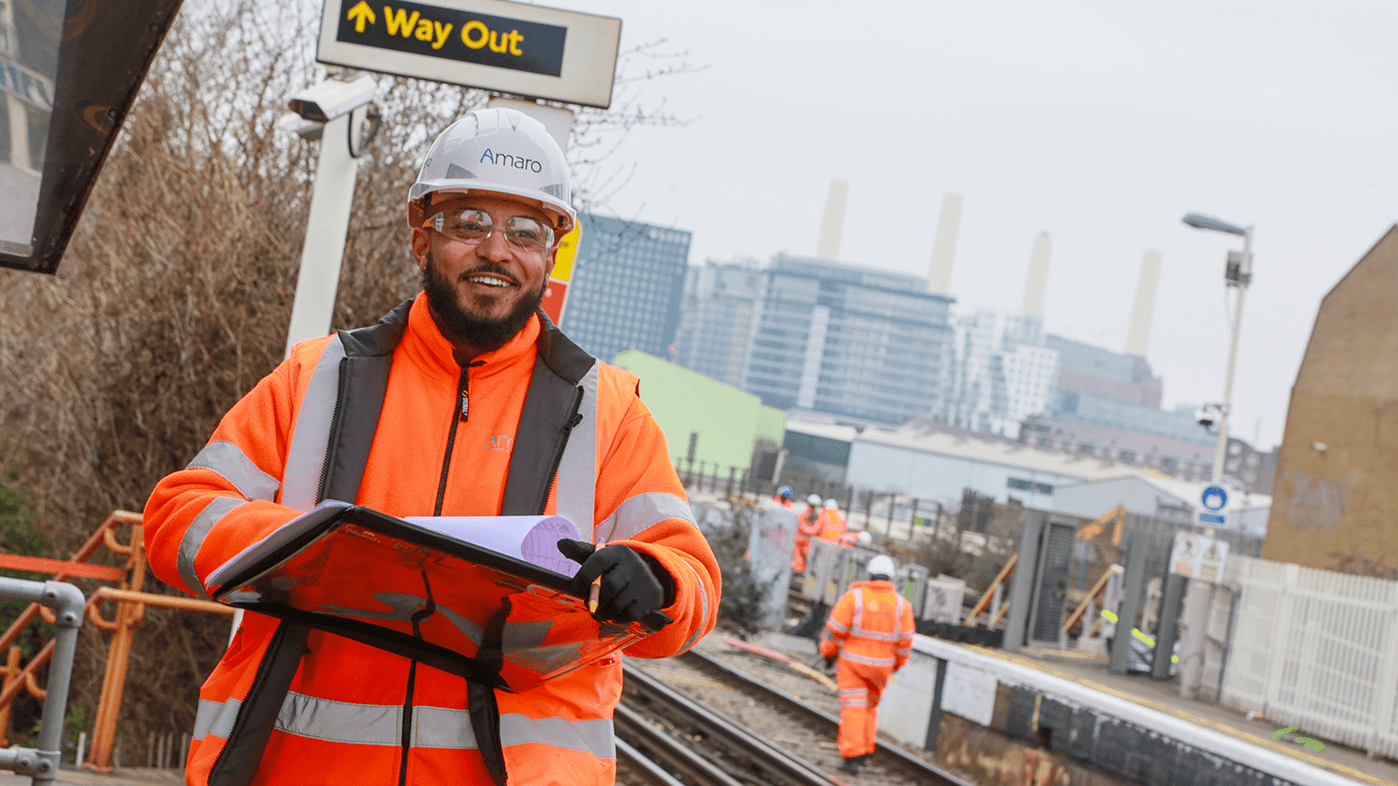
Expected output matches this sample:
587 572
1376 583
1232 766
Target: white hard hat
813 500
831 504
497 150
864 538
880 566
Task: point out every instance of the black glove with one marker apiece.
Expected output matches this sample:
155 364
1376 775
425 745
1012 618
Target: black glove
830 662
634 586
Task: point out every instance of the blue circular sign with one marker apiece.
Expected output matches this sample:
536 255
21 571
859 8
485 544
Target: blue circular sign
1214 498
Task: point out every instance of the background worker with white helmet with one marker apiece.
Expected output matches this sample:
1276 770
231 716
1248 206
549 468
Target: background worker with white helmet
832 522
869 634
400 417
807 525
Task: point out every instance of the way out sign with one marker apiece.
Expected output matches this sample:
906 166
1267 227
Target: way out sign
491 44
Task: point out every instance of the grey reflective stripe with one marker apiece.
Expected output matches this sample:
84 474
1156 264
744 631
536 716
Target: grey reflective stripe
704 607
643 511
306 456
858 611
194 538
340 721
589 736
229 461
576 482
866 659
216 718
433 727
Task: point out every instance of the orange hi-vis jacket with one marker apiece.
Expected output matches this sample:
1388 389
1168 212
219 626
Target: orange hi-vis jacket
871 625
386 418
832 525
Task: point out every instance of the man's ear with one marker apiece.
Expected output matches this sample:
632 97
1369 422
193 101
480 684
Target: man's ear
422 246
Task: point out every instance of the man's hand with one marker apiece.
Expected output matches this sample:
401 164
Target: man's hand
633 584
830 662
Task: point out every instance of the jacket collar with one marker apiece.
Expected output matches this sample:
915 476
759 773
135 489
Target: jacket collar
425 344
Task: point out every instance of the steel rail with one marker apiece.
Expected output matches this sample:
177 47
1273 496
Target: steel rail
657 747
648 768
778 768
927 772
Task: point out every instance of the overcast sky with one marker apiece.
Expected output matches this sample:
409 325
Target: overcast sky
1101 122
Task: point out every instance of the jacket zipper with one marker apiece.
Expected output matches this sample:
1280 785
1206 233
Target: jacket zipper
459 415
573 421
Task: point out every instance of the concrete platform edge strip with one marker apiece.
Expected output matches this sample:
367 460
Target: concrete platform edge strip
1206 739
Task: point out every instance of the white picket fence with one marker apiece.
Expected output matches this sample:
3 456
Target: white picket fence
1314 649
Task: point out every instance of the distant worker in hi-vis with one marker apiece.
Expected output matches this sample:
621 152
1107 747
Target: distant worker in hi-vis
832 523
869 634
463 401
807 525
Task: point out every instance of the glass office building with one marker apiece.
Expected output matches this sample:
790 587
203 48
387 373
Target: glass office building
847 340
627 281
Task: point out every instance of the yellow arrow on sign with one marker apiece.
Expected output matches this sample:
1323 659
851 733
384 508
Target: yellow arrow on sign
361 13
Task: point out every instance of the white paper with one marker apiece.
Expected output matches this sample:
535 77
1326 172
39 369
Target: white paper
530 538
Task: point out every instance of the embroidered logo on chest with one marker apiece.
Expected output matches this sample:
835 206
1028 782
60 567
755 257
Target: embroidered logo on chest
501 442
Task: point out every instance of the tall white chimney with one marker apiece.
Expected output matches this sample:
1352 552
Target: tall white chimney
834 222
1038 276
944 250
1139 337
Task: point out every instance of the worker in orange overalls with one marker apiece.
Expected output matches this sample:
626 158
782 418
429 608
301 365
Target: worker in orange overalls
832 524
807 525
871 631
408 417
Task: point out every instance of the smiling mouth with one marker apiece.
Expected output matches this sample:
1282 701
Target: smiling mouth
490 281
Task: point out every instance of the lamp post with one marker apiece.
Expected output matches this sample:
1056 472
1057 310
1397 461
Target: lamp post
1238 273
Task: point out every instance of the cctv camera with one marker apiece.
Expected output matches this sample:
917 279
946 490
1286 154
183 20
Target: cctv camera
1205 416
332 98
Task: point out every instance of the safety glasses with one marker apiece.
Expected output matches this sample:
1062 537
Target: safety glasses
471 226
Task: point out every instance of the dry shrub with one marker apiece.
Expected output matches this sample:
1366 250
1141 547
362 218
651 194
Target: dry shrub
175 294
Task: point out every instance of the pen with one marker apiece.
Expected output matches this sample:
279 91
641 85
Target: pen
596 591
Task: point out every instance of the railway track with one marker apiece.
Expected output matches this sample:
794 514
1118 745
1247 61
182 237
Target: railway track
740 732
919 770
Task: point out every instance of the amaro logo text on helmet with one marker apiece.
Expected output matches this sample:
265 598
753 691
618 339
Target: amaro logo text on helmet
505 159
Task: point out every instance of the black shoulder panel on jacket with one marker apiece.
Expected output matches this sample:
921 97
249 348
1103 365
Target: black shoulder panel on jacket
363 380
559 353
381 338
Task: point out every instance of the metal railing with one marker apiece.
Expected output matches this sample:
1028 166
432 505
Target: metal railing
1315 649
67 603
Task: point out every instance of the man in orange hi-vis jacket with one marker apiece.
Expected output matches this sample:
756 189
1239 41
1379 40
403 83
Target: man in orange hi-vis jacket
807 525
463 401
832 523
871 630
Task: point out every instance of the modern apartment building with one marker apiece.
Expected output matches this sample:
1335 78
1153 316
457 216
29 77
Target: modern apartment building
628 278
831 337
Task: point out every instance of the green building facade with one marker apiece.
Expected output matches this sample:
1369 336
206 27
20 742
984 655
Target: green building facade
723 423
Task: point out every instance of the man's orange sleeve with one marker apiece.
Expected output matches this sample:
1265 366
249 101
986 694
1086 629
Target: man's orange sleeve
227 498
637 463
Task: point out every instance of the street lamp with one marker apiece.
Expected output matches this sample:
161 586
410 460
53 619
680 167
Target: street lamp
1238 273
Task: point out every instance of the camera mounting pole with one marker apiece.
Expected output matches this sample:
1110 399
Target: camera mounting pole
341 112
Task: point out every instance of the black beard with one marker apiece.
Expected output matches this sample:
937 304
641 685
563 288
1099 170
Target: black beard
483 334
